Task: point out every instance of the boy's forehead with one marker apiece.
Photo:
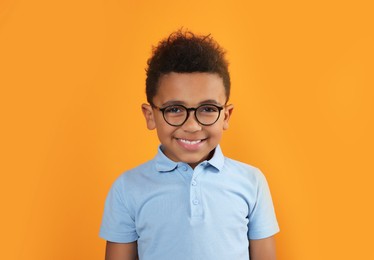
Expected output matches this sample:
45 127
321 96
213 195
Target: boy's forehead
196 87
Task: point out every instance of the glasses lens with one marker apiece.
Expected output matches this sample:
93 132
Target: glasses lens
175 115
207 114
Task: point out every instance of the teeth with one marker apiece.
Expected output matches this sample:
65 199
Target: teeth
190 142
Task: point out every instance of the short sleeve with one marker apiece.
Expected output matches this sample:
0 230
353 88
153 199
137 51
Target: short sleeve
118 224
262 219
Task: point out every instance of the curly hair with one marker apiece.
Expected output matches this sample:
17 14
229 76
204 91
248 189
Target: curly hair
185 52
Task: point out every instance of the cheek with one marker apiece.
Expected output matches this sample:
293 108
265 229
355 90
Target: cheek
218 130
163 129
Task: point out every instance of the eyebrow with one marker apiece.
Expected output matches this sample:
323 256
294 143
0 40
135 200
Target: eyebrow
178 102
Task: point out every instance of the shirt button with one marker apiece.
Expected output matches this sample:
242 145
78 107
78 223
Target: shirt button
195 202
194 183
184 168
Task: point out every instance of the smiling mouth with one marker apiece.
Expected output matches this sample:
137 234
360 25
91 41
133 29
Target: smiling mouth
190 142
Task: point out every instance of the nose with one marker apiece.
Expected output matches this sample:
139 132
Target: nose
191 124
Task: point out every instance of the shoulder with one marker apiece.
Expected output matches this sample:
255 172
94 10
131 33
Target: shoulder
243 175
236 167
135 176
132 184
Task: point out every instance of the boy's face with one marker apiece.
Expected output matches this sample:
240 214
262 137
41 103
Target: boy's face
191 142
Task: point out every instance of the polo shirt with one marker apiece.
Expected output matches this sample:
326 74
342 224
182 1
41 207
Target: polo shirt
175 212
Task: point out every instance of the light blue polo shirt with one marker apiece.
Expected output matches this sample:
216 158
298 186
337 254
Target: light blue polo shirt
179 213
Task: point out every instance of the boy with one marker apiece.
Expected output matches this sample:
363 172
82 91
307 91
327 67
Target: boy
189 202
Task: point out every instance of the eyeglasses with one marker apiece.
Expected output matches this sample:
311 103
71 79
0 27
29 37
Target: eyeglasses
177 115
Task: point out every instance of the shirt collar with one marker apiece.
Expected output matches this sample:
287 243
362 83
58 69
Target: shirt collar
217 159
164 164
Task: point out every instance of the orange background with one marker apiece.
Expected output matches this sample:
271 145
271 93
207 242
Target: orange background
72 81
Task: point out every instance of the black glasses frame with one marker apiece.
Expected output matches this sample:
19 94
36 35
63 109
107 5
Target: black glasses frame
189 109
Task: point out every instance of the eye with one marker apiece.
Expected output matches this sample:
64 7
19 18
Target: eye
173 109
208 109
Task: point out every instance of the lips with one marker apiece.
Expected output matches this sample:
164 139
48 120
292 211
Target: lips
190 144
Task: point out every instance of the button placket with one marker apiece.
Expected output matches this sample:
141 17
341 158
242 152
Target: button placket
195 195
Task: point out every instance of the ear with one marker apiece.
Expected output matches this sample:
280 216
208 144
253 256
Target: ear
228 111
149 116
